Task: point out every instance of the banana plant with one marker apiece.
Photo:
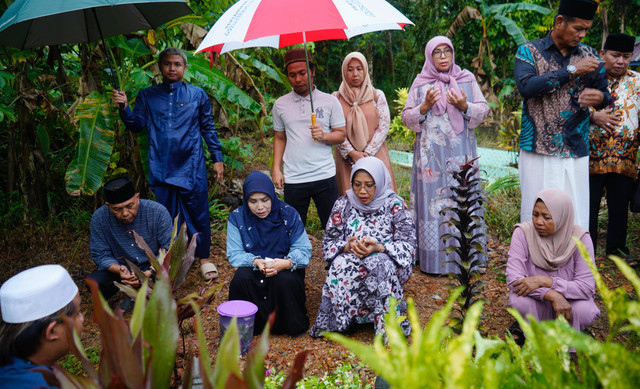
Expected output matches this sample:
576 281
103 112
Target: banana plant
95 119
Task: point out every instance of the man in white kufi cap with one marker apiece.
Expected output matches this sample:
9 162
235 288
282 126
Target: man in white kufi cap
33 335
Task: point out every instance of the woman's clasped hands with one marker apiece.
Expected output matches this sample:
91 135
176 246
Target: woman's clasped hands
363 247
272 266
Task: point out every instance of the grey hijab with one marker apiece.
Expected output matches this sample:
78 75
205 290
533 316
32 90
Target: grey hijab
381 177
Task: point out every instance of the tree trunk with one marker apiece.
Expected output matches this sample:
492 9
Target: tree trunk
28 167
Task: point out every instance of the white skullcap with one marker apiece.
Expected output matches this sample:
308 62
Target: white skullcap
36 293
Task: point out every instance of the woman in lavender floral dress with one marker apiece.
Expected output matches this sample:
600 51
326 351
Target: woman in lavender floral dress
369 243
443 107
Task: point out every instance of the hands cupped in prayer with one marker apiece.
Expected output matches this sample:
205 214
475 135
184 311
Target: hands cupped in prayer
460 101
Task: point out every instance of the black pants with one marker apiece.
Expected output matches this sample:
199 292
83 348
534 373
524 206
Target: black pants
283 293
324 193
618 192
106 279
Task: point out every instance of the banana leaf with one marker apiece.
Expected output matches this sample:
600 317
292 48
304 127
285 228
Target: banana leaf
95 142
222 87
513 29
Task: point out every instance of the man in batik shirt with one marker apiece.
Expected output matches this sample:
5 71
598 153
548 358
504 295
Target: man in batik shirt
559 79
613 143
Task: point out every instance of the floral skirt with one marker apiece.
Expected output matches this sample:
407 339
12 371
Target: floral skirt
357 291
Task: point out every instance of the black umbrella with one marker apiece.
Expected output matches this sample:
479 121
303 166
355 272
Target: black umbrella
33 23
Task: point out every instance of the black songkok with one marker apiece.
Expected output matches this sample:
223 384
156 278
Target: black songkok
119 190
620 42
582 9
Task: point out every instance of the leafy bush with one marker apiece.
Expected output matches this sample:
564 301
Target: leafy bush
502 209
397 129
436 358
345 376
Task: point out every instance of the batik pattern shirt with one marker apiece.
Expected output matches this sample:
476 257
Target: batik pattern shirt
615 151
553 123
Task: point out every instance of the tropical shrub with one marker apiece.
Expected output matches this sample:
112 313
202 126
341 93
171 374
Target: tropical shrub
397 129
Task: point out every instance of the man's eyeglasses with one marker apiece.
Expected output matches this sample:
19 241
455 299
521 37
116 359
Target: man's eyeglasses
445 52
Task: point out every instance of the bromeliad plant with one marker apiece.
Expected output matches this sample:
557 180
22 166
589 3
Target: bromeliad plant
467 241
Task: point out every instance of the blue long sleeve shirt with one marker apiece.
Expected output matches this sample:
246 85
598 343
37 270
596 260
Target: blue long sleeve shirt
112 241
299 253
177 117
553 123
18 374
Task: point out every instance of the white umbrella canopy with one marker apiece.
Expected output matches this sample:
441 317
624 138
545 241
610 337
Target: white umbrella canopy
281 23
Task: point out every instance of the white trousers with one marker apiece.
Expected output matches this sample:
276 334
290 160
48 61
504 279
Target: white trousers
539 171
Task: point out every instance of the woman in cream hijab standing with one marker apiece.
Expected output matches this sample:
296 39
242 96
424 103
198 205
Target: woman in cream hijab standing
367 116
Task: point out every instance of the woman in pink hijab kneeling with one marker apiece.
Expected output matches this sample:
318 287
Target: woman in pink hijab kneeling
443 107
546 274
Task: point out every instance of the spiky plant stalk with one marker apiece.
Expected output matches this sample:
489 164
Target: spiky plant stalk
467 241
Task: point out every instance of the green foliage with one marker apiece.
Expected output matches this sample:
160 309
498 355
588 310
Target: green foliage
436 358
11 209
222 87
397 129
95 141
502 209
234 151
344 376
218 211
624 314
465 219
74 366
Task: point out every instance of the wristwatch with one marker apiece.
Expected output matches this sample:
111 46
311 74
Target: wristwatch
572 69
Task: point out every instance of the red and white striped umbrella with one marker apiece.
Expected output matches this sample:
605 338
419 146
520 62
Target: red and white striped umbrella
280 23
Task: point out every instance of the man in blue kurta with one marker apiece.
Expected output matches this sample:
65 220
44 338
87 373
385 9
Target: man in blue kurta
177 117
112 240
559 79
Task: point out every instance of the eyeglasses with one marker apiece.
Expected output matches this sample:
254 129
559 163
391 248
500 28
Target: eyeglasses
439 53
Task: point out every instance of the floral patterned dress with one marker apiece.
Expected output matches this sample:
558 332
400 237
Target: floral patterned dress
437 145
357 290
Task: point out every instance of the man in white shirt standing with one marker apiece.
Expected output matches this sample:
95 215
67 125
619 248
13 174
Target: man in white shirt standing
309 169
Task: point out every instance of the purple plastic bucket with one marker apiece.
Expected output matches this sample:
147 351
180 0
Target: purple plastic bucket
244 312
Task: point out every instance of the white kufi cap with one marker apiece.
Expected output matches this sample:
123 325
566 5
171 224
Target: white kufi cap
36 293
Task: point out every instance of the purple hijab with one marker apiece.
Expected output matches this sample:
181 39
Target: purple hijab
430 75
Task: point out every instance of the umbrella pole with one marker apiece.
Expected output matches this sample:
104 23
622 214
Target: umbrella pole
106 50
306 58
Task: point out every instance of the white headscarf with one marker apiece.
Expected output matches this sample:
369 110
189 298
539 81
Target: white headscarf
381 177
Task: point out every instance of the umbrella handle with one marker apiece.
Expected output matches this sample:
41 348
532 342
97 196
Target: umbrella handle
313 122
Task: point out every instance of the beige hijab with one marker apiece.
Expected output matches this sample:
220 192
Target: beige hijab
552 252
357 129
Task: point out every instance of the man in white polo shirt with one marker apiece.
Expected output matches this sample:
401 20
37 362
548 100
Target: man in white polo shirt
305 149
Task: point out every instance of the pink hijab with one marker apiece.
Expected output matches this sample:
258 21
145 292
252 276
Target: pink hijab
552 252
357 128
453 76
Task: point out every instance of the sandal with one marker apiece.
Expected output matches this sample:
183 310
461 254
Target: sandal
516 333
209 271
